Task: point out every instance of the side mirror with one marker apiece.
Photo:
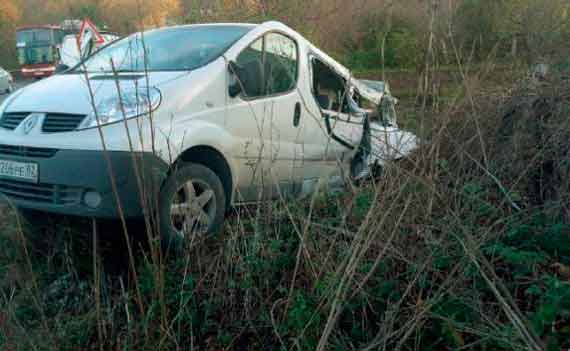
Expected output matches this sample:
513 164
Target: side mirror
235 88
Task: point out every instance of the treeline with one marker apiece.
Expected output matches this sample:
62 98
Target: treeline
364 34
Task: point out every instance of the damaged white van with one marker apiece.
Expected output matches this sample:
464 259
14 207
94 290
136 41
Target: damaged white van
185 122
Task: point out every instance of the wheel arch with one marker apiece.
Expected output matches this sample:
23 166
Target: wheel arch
213 159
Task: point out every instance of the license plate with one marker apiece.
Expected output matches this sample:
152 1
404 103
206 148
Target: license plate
24 171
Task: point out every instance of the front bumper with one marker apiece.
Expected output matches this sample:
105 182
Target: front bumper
30 75
66 176
37 72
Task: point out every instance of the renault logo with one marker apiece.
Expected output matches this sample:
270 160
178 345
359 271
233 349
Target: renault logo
31 122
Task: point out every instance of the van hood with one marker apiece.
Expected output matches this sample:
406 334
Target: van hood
69 93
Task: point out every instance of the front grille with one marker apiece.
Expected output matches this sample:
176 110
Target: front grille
24 151
44 193
61 122
11 120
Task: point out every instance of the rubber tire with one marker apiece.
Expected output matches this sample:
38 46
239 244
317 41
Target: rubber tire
170 240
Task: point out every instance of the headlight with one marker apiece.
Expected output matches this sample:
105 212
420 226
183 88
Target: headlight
133 103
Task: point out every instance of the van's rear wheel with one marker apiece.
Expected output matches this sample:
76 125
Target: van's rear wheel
192 204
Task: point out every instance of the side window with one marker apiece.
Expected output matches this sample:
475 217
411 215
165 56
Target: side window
252 76
281 63
268 66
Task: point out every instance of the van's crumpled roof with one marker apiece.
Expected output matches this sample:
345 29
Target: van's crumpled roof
372 90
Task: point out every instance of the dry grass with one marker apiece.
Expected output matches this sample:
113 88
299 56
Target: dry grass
435 255
462 246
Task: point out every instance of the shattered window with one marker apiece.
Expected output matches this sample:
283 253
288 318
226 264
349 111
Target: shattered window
329 88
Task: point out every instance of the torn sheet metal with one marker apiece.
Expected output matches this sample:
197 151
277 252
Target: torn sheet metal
374 134
345 128
382 139
389 143
372 90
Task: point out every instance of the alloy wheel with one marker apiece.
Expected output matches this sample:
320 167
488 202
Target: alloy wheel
193 208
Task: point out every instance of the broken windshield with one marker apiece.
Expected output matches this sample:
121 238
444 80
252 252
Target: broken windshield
172 49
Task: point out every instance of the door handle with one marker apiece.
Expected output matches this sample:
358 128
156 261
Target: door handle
297 115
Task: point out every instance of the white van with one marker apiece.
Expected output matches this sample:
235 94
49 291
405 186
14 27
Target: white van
210 117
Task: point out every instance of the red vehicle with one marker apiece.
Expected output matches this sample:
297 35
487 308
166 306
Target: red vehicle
38 49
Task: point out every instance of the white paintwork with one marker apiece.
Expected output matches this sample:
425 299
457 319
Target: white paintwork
257 138
391 143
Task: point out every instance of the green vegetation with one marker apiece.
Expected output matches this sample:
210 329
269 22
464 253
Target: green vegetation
460 247
464 246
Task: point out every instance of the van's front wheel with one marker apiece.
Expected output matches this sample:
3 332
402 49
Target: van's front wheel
192 204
